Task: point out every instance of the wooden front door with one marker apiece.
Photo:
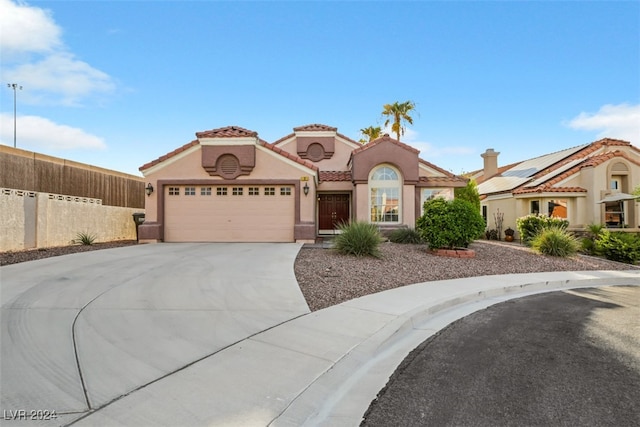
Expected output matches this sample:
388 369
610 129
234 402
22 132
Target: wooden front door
334 209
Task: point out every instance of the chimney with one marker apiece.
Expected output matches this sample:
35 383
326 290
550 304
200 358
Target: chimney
490 162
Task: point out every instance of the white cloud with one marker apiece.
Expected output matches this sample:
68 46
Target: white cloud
27 29
614 121
60 78
40 62
38 133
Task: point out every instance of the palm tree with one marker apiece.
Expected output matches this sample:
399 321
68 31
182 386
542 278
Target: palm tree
371 132
398 112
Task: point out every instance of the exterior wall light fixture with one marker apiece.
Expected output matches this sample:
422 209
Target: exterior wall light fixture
148 189
305 189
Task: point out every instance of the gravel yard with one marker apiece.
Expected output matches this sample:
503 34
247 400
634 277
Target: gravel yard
327 278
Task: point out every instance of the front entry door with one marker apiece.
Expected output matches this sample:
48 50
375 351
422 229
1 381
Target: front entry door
334 209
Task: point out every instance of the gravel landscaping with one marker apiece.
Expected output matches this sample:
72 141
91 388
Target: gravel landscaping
327 278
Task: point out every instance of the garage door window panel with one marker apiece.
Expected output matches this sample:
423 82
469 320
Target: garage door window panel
221 191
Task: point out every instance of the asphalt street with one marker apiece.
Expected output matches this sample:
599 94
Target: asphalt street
569 358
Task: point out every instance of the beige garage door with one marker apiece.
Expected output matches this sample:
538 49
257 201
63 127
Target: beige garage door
229 214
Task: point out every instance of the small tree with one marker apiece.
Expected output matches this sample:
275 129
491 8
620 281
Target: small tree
469 193
450 223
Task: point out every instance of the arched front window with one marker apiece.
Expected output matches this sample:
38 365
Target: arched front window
385 190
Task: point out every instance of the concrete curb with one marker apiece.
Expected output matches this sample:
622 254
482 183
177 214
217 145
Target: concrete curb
340 395
324 368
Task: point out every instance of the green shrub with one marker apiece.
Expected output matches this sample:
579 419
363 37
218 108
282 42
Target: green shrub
405 235
619 246
85 239
529 226
555 241
359 239
449 223
588 242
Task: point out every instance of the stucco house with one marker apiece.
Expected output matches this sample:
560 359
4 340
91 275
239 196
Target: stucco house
587 184
229 185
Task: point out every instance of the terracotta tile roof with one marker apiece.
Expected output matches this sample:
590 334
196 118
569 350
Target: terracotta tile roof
585 153
314 127
227 132
587 162
546 189
230 131
450 178
168 155
381 140
289 156
335 176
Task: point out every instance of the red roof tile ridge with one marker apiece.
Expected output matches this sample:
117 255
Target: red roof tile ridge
314 127
227 132
549 189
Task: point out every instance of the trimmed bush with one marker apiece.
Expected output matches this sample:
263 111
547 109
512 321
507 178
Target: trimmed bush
450 223
359 239
555 241
529 226
405 235
619 246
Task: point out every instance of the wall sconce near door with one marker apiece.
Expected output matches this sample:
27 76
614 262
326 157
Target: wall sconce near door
148 189
305 189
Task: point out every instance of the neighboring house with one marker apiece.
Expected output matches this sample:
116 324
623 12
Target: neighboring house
228 185
588 184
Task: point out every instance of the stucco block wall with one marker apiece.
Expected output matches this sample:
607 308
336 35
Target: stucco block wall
506 206
38 220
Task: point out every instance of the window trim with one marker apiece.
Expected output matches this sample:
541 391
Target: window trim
396 184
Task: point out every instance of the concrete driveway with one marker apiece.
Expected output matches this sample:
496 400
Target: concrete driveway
80 331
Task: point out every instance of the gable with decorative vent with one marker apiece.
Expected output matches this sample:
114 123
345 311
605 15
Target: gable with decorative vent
228 161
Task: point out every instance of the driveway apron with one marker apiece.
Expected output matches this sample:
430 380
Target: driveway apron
80 331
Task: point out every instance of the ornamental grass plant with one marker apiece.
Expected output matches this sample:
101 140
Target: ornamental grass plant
555 241
405 235
359 239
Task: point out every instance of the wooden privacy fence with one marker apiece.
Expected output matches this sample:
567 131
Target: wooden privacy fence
46 201
29 171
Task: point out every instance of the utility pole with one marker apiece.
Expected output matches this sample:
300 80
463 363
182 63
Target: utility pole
15 87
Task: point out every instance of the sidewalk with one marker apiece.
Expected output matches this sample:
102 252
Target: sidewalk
325 368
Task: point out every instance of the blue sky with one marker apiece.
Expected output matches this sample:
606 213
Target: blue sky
119 83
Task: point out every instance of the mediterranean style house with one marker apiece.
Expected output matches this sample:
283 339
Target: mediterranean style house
228 185
587 184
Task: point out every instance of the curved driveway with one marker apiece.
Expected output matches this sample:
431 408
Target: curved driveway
83 330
